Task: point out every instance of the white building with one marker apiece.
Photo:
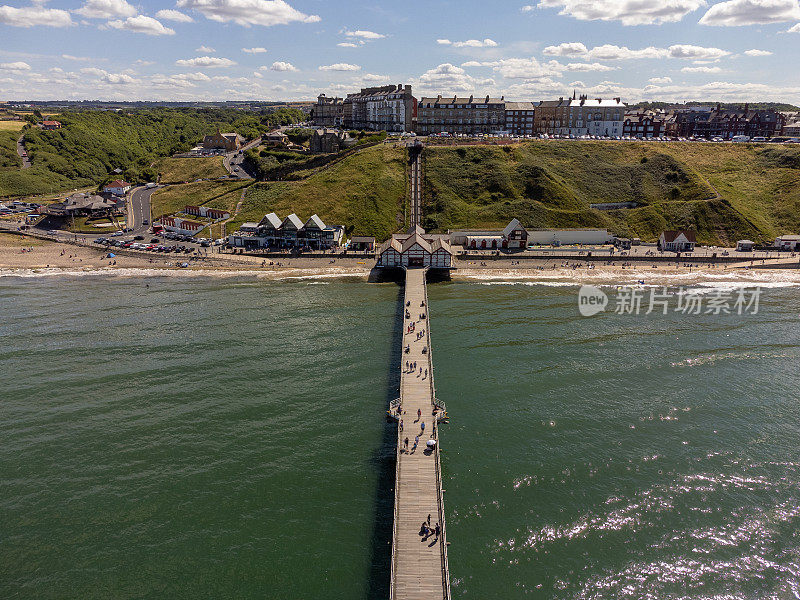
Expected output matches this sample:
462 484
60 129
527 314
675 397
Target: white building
569 237
182 226
677 241
118 187
514 236
788 242
415 249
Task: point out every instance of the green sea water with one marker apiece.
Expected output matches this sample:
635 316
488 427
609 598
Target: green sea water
181 437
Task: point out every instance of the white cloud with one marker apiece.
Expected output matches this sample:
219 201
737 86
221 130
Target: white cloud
205 61
364 35
249 12
696 52
794 29
205 49
257 50
193 76
257 74
142 24
447 78
701 70
372 78
756 52
628 12
283 66
596 67
577 84
487 43
526 68
77 58
119 78
660 80
735 13
340 67
612 52
30 16
565 49
15 66
106 9
347 45
174 15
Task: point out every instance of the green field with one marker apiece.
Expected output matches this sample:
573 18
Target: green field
365 192
552 184
15 126
178 170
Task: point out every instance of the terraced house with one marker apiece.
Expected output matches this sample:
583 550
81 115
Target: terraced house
580 115
386 108
461 115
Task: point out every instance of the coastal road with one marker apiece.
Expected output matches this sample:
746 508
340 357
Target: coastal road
139 207
234 162
26 162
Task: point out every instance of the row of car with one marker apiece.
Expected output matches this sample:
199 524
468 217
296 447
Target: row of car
153 246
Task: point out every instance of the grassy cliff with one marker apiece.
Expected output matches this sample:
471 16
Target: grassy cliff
365 192
725 192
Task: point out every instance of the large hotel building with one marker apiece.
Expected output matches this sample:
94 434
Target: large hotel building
461 115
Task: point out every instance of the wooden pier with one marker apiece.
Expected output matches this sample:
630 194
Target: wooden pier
419 565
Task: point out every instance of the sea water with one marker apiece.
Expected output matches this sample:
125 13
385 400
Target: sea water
189 437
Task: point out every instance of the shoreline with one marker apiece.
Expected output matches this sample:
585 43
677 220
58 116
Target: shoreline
27 257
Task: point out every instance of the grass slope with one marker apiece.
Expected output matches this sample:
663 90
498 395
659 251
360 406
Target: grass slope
553 184
178 170
365 192
216 194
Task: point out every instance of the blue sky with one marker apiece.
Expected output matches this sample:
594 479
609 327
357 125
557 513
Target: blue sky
295 49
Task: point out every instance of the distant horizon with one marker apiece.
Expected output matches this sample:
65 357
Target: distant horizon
790 106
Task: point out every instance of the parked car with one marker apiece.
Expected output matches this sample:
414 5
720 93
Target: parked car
139 238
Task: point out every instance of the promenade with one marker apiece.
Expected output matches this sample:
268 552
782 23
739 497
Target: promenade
419 565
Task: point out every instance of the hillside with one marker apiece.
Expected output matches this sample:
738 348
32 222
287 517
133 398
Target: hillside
552 184
365 192
91 145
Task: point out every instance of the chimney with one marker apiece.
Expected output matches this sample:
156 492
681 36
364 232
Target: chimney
439 98
746 107
719 107
618 100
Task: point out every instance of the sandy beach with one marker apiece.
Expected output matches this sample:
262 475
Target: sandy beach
27 256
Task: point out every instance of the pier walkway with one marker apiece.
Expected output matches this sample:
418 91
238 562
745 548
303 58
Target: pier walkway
419 566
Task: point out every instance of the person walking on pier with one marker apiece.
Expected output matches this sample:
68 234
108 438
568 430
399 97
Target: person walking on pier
405 444
423 427
429 520
437 530
419 414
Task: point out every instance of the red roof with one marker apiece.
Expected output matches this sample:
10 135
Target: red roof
671 236
118 184
50 123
